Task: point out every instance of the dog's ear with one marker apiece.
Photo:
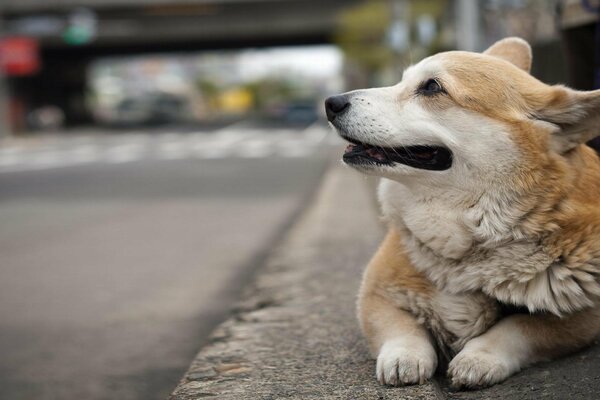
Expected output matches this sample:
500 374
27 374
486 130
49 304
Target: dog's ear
514 50
575 113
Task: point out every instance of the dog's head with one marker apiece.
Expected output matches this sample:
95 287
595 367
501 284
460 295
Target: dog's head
459 116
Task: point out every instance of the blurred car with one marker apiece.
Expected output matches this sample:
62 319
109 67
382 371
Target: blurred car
301 113
298 112
156 108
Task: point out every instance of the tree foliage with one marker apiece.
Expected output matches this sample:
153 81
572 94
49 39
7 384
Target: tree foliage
362 35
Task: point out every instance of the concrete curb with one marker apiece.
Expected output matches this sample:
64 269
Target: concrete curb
295 335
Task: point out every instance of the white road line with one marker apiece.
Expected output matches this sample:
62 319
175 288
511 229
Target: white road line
236 140
220 144
43 160
10 151
212 152
83 154
173 150
295 151
123 153
169 137
227 138
254 149
9 159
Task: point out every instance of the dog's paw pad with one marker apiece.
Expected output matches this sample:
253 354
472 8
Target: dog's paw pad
478 368
398 364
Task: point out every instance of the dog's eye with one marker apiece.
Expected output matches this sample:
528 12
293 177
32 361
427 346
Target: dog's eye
430 87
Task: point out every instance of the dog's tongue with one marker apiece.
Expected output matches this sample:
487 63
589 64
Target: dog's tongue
372 152
376 154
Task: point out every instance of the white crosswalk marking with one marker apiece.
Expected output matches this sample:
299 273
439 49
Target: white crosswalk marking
255 148
84 154
237 140
46 159
124 153
9 158
173 150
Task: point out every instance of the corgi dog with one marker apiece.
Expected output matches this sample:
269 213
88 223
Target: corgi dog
492 200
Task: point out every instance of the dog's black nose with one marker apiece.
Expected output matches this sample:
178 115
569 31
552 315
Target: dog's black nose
335 105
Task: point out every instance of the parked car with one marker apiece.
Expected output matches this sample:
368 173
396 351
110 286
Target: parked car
156 108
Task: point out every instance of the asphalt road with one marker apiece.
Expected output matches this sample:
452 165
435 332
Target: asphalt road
118 260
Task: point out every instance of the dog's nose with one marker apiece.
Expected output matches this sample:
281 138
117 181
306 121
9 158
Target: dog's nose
335 105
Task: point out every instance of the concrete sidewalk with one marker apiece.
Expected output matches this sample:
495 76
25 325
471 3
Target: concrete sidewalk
295 334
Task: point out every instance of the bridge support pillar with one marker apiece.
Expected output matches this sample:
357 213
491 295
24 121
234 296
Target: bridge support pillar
61 82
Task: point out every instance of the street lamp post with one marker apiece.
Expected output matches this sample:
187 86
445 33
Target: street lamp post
4 120
4 123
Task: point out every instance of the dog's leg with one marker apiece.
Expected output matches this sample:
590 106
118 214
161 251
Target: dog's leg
405 352
520 340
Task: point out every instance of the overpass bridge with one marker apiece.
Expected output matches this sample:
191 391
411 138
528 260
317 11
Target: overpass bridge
119 27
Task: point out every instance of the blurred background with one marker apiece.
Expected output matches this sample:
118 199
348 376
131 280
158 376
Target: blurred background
152 151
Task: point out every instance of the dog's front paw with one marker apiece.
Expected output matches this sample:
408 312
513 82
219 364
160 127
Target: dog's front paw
402 363
477 366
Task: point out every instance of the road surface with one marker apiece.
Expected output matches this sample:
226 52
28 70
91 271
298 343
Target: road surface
120 252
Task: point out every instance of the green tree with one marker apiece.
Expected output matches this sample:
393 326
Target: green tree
362 35
210 92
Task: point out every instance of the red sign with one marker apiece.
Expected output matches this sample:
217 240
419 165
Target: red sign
19 56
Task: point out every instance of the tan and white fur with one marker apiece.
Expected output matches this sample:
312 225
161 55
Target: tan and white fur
515 220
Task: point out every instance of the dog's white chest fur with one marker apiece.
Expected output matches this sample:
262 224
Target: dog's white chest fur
445 244
432 221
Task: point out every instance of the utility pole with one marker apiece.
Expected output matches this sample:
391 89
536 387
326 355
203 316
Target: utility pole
468 34
398 39
5 130
4 120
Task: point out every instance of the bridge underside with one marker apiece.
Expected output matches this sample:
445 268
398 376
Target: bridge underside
144 27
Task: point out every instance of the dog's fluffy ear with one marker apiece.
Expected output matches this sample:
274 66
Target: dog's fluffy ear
514 50
575 113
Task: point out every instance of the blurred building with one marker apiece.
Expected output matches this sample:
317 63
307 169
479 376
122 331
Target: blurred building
382 37
212 85
378 39
71 34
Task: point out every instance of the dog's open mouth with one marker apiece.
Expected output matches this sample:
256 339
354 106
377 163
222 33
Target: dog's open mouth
435 158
